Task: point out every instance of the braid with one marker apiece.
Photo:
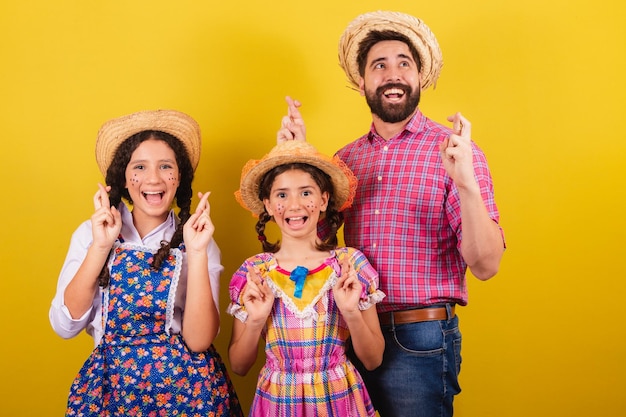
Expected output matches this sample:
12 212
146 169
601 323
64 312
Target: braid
183 215
177 239
104 277
264 218
334 219
161 254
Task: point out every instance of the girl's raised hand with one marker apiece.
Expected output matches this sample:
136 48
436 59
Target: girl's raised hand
258 298
106 221
347 290
199 229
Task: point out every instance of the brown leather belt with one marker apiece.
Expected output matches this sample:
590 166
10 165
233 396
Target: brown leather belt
415 316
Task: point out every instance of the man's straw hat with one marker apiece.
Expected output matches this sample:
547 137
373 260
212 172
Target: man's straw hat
343 180
176 123
413 28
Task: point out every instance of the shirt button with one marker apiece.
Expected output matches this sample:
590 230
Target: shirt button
385 148
376 211
380 178
374 245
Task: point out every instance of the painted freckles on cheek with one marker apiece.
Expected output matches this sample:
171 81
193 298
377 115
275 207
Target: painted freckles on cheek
134 180
280 209
172 179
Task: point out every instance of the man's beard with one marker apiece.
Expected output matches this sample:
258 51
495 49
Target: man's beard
393 113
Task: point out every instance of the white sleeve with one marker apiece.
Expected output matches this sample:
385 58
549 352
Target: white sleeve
215 271
60 319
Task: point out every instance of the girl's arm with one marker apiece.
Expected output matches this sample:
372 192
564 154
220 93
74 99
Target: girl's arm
106 223
243 348
200 322
367 338
80 292
258 301
60 317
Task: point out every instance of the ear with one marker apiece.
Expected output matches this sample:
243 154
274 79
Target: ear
325 198
266 203
362 86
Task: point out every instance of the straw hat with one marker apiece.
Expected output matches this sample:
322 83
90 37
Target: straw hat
413 28
343 180
176 123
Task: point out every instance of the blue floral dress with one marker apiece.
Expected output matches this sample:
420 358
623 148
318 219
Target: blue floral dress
139 368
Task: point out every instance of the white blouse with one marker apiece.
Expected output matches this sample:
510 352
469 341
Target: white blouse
61 320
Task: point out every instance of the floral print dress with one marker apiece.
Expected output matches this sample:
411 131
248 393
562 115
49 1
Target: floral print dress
139 368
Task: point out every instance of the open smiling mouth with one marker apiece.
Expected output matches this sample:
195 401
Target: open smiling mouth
394 93
301 219
153 196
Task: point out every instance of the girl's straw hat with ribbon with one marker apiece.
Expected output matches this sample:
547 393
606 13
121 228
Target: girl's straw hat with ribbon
343 180
177 124
411 27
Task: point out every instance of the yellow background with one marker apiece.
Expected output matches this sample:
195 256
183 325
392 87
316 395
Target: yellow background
541 81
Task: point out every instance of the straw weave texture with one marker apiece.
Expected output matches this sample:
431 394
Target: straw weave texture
344 181
411 27
177 124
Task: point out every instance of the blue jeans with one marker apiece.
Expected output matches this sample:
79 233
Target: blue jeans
419 373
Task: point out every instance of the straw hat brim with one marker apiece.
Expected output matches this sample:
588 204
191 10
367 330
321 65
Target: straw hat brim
177 124
413 28
294 151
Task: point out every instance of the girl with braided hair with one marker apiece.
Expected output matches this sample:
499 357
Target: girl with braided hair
303 295
144 281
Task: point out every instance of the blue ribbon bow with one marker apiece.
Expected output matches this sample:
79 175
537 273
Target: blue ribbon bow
298 276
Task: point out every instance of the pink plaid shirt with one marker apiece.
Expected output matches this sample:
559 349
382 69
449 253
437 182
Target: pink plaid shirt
406 215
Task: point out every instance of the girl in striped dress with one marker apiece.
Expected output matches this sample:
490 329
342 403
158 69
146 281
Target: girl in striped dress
303 295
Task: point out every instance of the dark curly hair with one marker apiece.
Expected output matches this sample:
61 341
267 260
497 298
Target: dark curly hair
332 216
116 178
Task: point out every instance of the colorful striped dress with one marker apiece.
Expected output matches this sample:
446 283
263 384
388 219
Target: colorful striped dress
306 372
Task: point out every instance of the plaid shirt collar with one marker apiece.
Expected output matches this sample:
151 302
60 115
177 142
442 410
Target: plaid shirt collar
416 123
